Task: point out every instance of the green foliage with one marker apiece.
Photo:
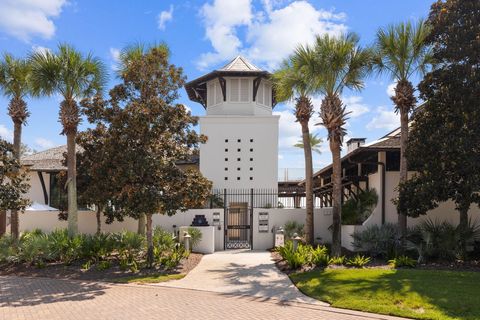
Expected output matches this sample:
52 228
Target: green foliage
163 240
97 247
196 236
292 227
8 250
356 210
128 244
64 248
358 261
319 256
34 248
304 255
402 261
171 259
315 143
103 265
377 241
337 261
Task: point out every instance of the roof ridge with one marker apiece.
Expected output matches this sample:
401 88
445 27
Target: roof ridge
249 66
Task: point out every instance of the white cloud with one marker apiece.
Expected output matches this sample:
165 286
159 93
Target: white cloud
115 54
221 20
391 89
40 49
384 119
271 33
6 133
164 17
356 106
24 19
44 143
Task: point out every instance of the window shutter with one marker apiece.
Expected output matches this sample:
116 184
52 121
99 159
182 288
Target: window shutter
244 96
268 95
234 90
260 90
210 94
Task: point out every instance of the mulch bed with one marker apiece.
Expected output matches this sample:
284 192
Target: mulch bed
74 271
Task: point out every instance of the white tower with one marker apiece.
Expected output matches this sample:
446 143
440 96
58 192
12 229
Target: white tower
242 147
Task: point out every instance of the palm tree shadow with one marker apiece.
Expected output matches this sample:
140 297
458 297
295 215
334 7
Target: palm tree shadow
23 291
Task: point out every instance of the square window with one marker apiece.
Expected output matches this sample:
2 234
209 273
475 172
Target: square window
226 169
238 169
251 149
226 159
251 159
239 140
251 178
251 169
238 150
226 150
226 178
238 159
226 140
251 140
238 178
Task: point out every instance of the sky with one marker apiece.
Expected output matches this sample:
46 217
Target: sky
204 35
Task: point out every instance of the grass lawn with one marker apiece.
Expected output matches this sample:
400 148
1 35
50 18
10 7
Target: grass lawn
149 279
419 294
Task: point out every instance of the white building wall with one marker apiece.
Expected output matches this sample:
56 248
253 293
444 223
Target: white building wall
35 193
241 151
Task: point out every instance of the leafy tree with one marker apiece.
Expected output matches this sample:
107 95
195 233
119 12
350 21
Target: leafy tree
73 76
443 147
402 52
338 63
147 133
13 181
292 83
315 143
15 84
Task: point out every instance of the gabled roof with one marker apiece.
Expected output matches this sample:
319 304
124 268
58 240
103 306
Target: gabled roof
239 64
238 67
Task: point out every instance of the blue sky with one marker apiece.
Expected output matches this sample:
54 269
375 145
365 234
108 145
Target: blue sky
204 35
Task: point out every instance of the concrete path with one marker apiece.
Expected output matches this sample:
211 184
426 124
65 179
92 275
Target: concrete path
23 298
242 273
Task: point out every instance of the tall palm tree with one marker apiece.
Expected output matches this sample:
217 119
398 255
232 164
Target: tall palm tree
73 76
402 52
338 63
315 143
291 83
15 84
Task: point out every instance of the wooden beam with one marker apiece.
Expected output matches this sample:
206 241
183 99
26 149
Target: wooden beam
42 182
256 84
223 85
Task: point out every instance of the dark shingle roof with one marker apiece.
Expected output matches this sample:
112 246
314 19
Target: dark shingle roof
48 160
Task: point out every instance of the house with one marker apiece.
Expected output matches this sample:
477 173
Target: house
376 165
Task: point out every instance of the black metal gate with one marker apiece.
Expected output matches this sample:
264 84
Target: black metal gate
238 226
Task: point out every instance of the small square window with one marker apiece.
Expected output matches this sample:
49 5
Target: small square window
251 178
238 150
226 159
226 169
238 169
251 159
226 140
251 149
226 178
239 140
238 159
251 169
251 140
226 150
238 178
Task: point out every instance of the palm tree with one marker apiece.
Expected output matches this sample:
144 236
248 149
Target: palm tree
315 143
291 83
73 76
338 63
15 84
402 52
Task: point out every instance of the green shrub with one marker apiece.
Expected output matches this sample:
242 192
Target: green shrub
128 244
358 261
377 241
8 250
173 258
292 227
402 261
356 210
163 239
63 248
337 261
103 265
97 247
34 249
295 259
319 256
196 236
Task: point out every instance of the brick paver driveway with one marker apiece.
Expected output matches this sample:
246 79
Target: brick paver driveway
51 299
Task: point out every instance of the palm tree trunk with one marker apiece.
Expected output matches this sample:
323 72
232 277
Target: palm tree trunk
336 198
17 143
99 220
309 226
141 224
72 185
149 241
402 218
3 222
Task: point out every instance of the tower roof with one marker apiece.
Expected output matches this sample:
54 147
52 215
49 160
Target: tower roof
238 67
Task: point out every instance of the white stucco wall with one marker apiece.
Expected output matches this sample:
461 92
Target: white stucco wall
256 164
35 193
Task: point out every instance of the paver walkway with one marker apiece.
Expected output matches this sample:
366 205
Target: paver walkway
24 298
242 272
